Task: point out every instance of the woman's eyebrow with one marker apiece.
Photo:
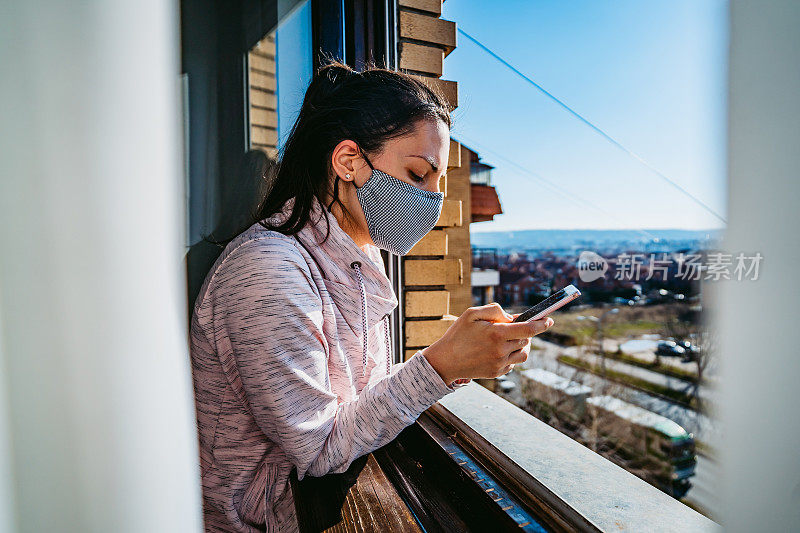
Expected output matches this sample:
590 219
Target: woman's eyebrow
430 160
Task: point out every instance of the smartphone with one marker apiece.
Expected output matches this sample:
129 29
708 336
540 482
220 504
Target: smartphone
550 304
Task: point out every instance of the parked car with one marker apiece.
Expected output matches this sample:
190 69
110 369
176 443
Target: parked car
670 349
691 351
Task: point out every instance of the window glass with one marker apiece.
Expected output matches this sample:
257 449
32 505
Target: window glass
280 69
595 135
239 105
294 66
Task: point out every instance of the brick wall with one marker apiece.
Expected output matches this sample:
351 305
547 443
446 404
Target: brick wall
436 272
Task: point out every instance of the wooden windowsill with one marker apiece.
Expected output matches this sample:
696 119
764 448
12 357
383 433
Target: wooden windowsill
359 499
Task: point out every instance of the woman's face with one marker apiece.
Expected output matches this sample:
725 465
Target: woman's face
419 158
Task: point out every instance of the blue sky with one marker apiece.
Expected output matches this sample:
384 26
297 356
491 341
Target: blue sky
650 74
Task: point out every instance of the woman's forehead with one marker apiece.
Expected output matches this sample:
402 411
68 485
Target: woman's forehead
429 141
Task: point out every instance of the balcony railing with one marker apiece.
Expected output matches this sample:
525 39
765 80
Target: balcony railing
567 485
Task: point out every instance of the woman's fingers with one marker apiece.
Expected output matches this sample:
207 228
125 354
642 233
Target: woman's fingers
521 330
519 356
515 344
483 341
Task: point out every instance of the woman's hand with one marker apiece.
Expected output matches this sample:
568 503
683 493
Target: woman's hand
483 343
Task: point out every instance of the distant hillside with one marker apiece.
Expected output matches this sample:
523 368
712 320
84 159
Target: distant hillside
592 239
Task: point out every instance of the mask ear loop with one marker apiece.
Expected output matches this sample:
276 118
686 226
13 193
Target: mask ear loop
364 155
336 181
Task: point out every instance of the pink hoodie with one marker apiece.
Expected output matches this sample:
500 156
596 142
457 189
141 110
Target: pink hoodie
278 365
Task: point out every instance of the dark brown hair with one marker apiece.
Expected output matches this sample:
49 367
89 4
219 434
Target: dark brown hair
369 107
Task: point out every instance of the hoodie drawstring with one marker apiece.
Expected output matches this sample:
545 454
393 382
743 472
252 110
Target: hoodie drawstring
388 344
357 266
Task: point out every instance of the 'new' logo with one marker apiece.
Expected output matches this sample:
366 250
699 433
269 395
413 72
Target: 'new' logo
591 266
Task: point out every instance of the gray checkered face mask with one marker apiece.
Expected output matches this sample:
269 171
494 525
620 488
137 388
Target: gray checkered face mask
398 214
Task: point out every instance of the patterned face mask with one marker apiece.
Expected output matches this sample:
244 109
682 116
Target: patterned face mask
398 214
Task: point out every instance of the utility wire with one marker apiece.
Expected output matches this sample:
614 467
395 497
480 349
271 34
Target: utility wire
553 187
585 121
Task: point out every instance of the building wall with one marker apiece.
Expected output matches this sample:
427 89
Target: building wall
436 271
263 87
458 240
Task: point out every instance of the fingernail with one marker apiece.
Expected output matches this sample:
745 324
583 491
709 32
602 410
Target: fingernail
550 322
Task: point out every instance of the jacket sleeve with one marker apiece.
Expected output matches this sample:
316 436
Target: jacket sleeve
274 321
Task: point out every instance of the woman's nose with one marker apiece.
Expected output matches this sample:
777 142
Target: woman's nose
434 185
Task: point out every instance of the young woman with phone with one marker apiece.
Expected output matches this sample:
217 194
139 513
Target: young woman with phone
290 346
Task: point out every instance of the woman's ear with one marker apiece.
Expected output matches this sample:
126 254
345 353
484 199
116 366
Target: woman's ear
343 160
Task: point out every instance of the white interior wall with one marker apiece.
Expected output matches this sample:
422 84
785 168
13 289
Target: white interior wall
96 388
758 320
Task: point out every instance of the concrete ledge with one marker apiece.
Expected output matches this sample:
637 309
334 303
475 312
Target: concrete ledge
606 496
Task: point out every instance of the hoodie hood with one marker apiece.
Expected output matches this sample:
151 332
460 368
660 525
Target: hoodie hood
342 281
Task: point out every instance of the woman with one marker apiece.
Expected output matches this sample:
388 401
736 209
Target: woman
290 334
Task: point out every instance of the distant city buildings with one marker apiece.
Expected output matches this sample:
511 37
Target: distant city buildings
524 278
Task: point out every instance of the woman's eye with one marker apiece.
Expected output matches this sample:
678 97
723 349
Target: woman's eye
416 178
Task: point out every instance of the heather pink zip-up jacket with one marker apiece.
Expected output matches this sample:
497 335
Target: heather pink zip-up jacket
278 365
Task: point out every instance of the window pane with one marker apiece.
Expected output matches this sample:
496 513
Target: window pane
575 154
239 104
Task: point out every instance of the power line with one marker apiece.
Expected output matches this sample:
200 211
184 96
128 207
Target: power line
554 188
585 121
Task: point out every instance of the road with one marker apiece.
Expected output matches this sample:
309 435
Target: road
544 355
644 350
706 393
